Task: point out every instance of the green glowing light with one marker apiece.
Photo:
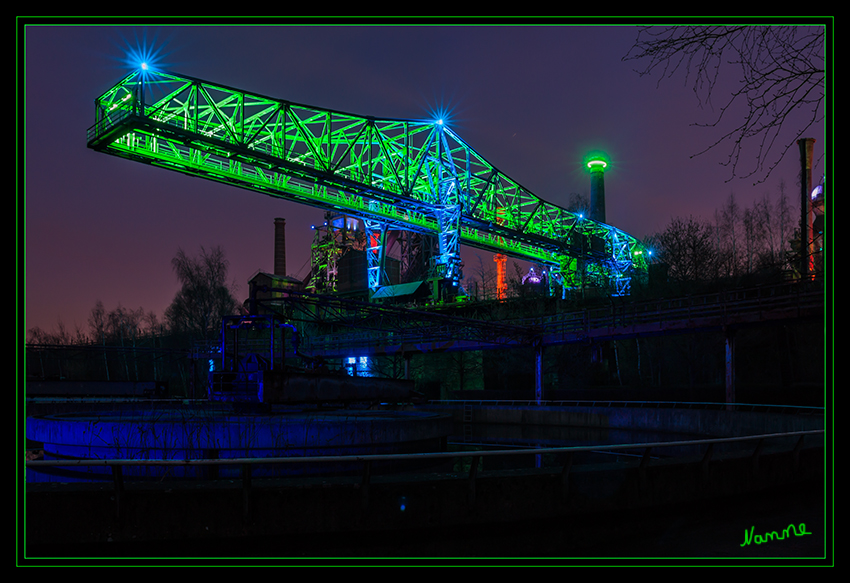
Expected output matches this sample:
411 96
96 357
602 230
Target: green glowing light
596 160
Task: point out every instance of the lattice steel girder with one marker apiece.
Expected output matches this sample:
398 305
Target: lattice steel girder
402 173
376 247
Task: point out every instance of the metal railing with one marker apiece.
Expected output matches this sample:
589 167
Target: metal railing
757 304
699 405
246 464
763 303
108 122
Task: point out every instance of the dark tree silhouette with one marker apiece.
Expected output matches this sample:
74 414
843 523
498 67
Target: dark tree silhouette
205 297
687 247
781 82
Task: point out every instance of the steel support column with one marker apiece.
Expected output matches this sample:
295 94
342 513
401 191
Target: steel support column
730 368
450 198
375 254
538 371
448 217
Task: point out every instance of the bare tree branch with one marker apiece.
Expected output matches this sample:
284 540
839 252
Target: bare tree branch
781 76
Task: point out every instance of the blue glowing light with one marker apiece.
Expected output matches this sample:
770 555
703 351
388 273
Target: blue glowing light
358 366
441 111
144 53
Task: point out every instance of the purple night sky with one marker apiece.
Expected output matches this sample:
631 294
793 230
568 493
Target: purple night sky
532 100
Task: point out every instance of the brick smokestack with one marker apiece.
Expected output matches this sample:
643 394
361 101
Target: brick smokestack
280 246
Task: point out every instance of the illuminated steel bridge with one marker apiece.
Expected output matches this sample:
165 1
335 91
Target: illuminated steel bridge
393 174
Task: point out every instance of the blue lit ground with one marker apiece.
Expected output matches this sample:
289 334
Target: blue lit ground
191 435
711 528
212 432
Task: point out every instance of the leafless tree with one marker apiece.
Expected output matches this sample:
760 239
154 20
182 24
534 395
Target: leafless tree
764 227
727 225
687 247
739 241
754 236
781 82
486 279
786 221
579 204
205 296
60 335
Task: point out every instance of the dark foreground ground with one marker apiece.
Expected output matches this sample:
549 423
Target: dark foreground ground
706 534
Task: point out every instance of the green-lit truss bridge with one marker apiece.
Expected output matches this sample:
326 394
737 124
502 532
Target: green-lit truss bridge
393 174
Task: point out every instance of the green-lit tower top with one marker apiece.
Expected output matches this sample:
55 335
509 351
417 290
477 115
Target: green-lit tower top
597 165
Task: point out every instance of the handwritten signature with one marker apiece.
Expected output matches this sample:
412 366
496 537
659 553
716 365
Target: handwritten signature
773 535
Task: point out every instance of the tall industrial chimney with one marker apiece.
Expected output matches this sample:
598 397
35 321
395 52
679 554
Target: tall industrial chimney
807 254
280 246
597 189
